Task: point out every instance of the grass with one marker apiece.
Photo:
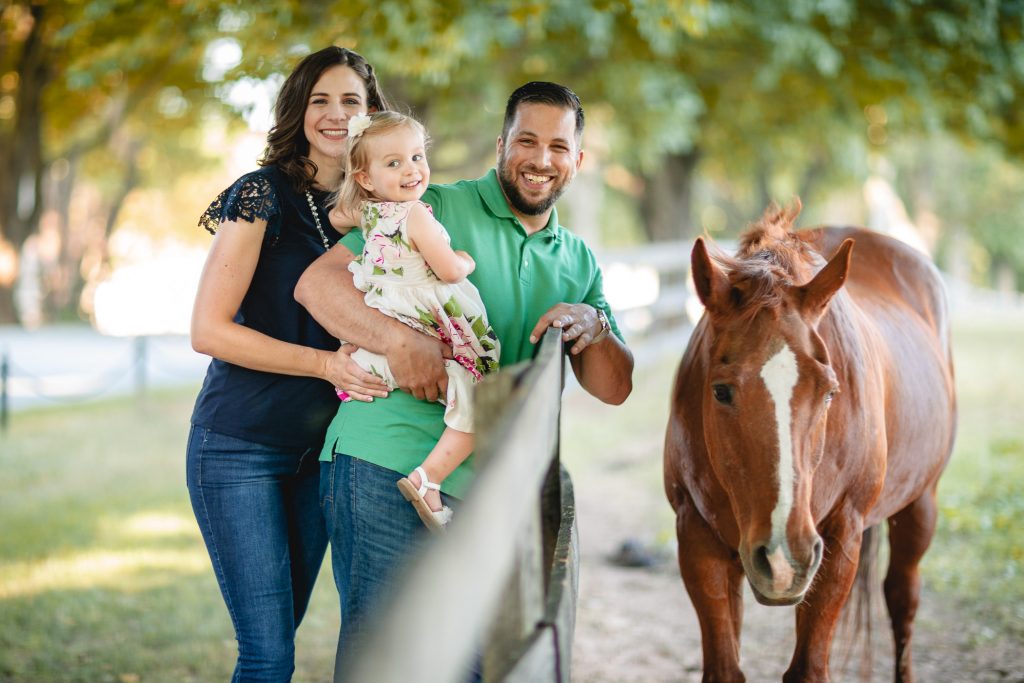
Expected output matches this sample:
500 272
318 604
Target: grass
978 552
104 577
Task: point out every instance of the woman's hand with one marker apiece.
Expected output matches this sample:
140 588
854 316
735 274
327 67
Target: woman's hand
346 375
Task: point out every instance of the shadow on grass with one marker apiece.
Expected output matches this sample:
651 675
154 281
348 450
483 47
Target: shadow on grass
104 576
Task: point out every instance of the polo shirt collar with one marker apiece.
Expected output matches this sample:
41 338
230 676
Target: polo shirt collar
494 198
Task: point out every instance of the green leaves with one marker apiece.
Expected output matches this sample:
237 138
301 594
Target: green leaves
767 95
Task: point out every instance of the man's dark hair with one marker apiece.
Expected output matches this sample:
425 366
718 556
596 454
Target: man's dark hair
543 92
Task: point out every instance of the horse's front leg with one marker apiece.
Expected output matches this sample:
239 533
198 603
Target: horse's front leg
817 615
713 577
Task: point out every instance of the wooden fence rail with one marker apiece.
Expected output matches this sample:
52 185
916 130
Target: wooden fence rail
662 323
499 588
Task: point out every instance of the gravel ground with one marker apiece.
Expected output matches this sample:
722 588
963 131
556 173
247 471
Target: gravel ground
637 625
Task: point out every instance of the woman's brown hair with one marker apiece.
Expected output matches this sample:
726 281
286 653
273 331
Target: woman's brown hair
287 146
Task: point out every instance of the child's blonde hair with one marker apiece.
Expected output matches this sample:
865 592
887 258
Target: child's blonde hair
350 194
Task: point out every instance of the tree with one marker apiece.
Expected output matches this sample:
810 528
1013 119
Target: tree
87 78
975 192
767 96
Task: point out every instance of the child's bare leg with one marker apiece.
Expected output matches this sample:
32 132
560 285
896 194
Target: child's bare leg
451 450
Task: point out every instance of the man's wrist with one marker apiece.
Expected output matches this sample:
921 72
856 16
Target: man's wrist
396 338
405 341
606 327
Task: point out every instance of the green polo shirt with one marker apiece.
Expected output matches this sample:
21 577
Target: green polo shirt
519 277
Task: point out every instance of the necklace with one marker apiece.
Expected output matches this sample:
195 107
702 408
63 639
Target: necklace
316 220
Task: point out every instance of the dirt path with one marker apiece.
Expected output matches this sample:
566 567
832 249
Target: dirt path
637 625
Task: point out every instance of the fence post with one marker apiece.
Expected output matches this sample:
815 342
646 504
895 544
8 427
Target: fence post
140 366
5 371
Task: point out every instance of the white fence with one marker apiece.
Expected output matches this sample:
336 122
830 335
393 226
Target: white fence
499 587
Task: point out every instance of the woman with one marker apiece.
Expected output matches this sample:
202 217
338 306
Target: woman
260 418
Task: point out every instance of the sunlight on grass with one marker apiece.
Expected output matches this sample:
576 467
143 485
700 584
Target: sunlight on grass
978 552
122 570
158 525
103 573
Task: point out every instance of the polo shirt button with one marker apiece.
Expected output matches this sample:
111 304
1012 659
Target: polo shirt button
526 263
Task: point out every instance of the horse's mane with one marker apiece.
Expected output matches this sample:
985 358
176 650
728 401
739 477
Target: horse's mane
769 258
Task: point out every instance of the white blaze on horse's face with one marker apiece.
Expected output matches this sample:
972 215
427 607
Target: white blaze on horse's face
780 374
781 564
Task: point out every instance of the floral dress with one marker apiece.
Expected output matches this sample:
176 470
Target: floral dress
399 283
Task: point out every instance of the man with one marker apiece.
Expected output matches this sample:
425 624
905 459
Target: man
532 274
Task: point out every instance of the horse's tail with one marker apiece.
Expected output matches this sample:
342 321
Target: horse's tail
856 620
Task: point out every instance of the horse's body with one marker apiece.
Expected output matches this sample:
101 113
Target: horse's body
772 478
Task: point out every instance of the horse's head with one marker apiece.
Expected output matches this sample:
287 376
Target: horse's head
766 395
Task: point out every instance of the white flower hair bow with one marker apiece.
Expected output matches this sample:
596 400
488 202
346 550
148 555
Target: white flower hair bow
357 124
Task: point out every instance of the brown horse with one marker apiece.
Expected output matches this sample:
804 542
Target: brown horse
804 413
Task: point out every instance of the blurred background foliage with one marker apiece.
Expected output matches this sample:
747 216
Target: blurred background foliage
131 115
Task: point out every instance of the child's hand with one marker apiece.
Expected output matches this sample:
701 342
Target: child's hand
468 259
341 221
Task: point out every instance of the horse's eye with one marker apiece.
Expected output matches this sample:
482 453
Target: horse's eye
722 393
830 395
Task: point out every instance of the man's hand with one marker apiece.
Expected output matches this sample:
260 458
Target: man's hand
606 370
417 362
577 321
345 374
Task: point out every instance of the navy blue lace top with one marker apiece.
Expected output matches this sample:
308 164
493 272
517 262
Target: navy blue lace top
267 408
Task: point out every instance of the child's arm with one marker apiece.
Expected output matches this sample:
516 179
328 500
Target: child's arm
427 238
343 220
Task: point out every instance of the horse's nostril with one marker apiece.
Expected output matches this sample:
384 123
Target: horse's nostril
817 550
761 562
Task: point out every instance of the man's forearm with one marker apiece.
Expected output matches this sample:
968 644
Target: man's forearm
328 293
605 370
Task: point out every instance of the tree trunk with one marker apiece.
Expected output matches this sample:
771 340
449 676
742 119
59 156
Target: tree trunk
1004 278
57 282
584 203
922 200
811 178
129 181
8 312
666 204
21 158
763 186
957 264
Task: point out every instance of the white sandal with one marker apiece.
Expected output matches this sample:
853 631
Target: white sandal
435 520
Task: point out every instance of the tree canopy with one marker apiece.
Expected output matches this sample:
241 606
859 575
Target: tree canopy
757 94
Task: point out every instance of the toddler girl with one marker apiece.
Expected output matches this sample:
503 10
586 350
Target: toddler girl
409 272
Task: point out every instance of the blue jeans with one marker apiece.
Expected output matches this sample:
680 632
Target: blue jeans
257 508
374 533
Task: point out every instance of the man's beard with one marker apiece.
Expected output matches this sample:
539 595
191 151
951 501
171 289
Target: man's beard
515 197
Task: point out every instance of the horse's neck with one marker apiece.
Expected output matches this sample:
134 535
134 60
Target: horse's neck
852 340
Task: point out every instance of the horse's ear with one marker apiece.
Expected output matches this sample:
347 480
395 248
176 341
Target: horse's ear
816 294
708 278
